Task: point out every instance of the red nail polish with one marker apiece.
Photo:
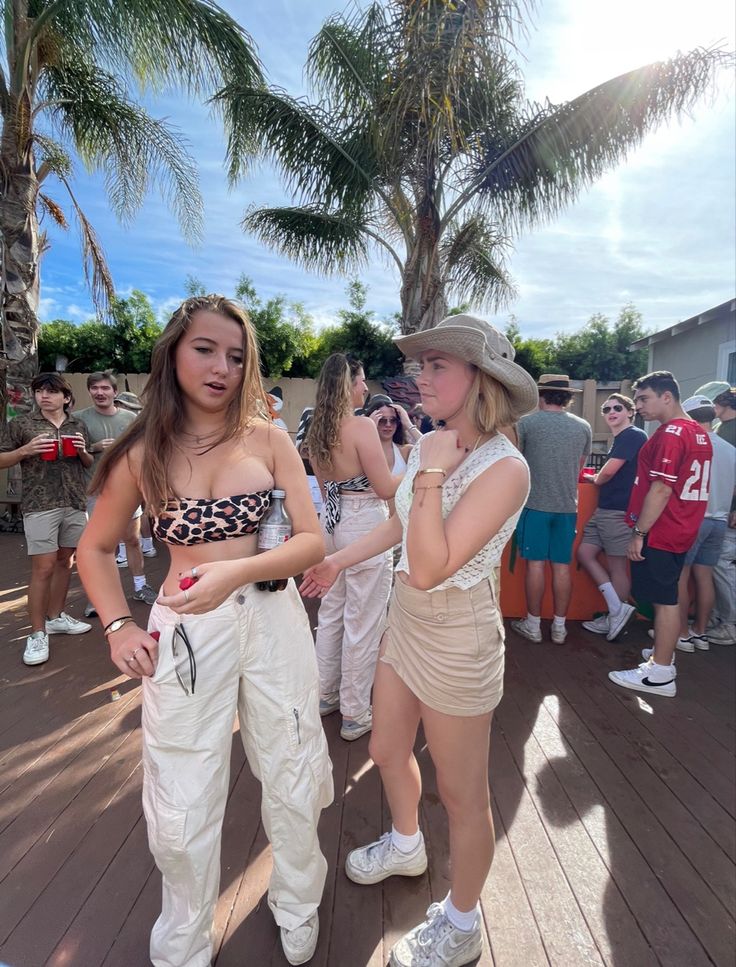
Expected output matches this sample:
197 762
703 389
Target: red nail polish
156 635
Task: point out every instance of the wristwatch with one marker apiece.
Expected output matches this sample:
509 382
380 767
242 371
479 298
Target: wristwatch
640 533
116 625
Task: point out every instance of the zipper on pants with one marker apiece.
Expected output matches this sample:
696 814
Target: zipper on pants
298 730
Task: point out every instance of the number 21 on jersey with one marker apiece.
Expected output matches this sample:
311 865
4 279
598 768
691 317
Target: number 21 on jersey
696 485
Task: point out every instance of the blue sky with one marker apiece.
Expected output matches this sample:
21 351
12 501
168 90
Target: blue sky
657 231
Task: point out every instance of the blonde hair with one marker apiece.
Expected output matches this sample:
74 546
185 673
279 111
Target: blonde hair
162 419
488 404
333 403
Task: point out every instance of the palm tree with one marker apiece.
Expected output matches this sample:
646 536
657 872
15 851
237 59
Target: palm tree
65 77
422 144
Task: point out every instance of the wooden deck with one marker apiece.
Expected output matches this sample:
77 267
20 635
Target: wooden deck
614 817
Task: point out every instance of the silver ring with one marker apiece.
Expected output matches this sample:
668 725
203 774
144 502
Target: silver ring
132 657
186 596
194 572
129 659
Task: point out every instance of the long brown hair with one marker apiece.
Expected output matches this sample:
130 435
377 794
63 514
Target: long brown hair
333 403
162 419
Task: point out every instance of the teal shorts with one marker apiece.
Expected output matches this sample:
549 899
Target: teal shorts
546 537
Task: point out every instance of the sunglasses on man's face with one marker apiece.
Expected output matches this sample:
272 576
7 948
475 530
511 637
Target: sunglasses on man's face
616 407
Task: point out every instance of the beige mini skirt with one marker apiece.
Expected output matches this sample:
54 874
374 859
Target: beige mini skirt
447 646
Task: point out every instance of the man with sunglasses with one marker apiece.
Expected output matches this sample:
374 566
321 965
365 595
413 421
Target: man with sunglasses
666 509
607 530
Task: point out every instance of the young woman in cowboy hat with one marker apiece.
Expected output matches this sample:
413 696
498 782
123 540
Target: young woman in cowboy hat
442 656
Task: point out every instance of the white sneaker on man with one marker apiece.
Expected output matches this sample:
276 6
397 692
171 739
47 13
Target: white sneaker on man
618 622
438 943
64 624
377 861
722 634
149 551
524 629
121 561
352 729
640 679
692 641
37 649
300 943
599 625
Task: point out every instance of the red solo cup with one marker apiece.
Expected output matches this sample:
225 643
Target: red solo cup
67 447
587 473
187 583
156 635
53 452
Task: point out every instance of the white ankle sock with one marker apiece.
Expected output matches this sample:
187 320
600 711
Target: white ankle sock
405 844
557 621
146 543
123 551
139 581
661 673
533 620
458 918
612 599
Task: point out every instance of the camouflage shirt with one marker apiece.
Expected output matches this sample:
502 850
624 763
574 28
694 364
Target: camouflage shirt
47 484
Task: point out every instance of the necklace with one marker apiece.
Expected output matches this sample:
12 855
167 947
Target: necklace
200 438
475 445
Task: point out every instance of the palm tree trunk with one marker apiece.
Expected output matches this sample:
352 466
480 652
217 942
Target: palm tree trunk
19 277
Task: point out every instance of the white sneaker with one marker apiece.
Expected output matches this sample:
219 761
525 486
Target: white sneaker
300 943
66 625
379 860
701 642
121 561
722 634
638 680
437 943
557 634
620 620
37 649
352 729
329 705
526 630
599 625
149 552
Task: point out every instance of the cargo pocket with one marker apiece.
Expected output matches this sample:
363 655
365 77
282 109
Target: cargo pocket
307 741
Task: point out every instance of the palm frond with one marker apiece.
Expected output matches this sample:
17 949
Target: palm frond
530 173
96 270
113 133
473 261
313 237
315 161
346 63
52 157
53 210
185 44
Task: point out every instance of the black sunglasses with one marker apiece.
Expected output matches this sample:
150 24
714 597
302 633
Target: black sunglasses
185 666
617 408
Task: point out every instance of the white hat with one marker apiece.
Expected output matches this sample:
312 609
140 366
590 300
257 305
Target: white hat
478 342
696 402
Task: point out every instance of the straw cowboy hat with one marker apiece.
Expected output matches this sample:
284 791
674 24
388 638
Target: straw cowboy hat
554 381
477 341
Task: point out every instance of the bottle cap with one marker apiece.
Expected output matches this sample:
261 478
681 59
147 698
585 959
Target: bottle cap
278 493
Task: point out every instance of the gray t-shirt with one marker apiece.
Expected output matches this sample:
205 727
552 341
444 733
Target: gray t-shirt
102 427
553 442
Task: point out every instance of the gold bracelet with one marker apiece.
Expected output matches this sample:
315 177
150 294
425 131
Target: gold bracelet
431 470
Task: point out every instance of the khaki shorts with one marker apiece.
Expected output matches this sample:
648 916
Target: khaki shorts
608 529
447 646
48 530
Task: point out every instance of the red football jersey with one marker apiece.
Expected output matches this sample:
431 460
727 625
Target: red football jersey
679 453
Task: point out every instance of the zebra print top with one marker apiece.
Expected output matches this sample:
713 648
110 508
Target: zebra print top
332 507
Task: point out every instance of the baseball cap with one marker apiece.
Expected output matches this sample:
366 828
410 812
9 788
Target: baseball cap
695 403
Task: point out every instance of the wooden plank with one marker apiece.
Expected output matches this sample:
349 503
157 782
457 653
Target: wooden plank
566 936
546 758
692 901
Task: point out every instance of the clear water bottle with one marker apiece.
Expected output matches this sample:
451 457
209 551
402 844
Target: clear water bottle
275 529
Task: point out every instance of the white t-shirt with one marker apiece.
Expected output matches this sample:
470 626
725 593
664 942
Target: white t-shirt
722 478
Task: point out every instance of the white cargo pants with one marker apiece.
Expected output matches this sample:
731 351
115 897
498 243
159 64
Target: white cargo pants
724 579
254 655
353 612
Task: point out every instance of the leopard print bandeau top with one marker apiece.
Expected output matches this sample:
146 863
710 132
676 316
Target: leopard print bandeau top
200 520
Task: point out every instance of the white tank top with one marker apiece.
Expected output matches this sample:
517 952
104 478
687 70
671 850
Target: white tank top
489 556
399 462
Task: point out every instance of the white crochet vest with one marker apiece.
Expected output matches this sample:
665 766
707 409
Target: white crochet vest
489 556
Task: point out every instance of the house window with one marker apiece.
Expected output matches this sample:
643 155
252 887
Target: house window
726 366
